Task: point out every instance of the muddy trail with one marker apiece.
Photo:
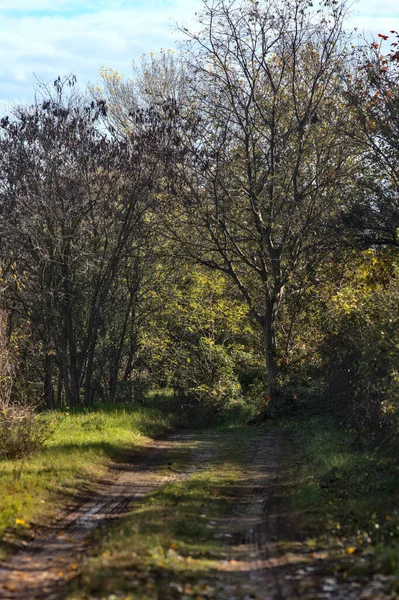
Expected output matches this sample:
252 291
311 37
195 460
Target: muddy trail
252 564
50 561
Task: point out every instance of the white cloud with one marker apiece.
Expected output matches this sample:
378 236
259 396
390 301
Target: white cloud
53 45
375 25
376 8
375 16
54 5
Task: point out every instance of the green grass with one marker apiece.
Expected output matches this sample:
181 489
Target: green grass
347 494
83 444
176 535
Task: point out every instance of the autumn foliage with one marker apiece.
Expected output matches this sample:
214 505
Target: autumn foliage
223 223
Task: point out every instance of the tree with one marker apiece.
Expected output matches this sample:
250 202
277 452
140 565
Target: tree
156 81
372 215
259 159
73 209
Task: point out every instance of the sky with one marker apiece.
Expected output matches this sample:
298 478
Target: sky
47 38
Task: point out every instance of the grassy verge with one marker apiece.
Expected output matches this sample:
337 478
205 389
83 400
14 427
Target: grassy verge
83 444
348 497
170 544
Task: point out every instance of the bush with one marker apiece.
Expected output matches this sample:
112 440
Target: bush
290 395
360 350
22 432
6 365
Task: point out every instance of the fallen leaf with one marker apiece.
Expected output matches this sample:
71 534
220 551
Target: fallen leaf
10 586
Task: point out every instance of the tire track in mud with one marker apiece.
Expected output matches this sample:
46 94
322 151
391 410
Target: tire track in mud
52 560
256 523
250 564
266 558
254 567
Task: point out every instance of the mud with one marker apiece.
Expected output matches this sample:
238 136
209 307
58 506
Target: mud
259 520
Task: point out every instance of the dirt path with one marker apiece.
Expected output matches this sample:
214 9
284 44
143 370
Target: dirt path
257 522
52 559
251 564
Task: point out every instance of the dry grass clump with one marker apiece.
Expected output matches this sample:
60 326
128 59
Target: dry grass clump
22 432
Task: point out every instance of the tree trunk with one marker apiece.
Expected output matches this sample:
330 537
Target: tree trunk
116 360
88 391
48 381
269 340
70 395
59 390
69 398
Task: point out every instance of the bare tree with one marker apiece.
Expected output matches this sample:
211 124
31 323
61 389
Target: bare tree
259 157
73 205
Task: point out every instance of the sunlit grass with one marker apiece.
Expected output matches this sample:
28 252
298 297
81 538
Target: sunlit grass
82 446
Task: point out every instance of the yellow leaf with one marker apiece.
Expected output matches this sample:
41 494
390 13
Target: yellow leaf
10 586
20 522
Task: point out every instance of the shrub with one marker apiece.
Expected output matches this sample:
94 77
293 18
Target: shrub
22 431
291 394
360 350
6 365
